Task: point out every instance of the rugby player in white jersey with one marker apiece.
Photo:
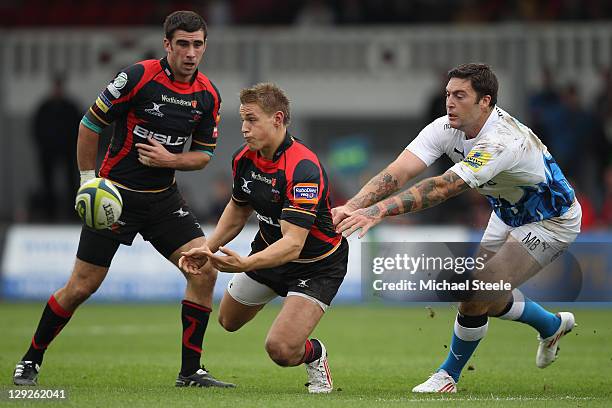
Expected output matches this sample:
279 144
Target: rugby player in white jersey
535 212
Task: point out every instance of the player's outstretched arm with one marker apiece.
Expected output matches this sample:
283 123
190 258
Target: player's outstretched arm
405 167
425 194
231 222
87 150
154 154
286 249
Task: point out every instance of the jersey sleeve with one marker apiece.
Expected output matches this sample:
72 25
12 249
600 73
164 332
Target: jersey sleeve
426 146
115 100
239 196
204 138
303 192
486 160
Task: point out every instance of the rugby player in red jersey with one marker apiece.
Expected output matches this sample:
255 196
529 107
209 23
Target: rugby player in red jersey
157 106
296 253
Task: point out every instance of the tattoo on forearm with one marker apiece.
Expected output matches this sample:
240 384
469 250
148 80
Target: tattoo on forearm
425 194
379 188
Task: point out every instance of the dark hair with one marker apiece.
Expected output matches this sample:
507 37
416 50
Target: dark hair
481 77
269 97
184 20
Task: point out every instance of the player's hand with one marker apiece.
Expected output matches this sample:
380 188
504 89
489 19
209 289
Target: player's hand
232 262
194 260
340 213
154 154
364 219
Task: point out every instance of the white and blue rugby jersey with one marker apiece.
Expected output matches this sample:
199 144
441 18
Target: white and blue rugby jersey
506 162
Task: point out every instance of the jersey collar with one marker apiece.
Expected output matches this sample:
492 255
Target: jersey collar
288 141
168 71
494 117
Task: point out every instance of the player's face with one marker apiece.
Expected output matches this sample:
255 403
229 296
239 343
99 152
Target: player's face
185 52
462 105
258 127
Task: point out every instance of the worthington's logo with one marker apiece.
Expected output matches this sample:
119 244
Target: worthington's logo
263 179
176 101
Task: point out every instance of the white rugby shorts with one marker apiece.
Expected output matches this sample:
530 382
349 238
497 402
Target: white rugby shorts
544 240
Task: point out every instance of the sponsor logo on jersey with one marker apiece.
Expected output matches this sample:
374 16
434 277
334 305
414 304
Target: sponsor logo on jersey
181 213
155 110
263 179
161 138
267 220
306 193
178 101
245 185
103 103
476 159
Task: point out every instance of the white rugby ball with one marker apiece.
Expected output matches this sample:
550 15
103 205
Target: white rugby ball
98 203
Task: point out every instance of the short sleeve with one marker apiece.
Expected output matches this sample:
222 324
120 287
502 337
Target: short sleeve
426 146
303 193
239 184
115 100
204 137
486 160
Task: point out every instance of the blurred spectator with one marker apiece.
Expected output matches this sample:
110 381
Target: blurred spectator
350 11
55 129
573 135
603 107
436 106
315 13
589 213
221 194
606 211
219 13
542 104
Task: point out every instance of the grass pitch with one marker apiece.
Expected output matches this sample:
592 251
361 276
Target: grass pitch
129 355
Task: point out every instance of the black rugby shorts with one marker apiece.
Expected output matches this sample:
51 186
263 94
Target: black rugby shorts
163 219
320 279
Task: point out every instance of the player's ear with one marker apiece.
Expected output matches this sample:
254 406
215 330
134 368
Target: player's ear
485 101
167 45
279 117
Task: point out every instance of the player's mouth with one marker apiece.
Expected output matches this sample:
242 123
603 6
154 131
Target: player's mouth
189 65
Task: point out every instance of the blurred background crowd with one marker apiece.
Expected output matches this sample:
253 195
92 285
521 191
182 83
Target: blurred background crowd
573 119
301 12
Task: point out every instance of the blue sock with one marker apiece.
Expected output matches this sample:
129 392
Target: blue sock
527 311
468 332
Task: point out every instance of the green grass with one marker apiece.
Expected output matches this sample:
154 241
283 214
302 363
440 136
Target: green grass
128 355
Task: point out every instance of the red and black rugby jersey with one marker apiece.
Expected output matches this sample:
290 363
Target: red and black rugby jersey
292 187
145 101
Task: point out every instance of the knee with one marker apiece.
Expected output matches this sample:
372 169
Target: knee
205 281
79 292
229 324
474 308
281 352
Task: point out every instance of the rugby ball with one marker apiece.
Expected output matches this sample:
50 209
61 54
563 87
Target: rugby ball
98 203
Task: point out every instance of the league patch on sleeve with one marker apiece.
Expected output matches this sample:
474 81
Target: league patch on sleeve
476 159
306 193
117 84
103 103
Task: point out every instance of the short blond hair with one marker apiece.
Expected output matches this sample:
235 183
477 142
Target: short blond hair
269 97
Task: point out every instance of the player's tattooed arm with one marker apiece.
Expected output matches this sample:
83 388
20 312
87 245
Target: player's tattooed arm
380 187
425 194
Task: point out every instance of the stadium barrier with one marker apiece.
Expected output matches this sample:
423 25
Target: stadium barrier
38 259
